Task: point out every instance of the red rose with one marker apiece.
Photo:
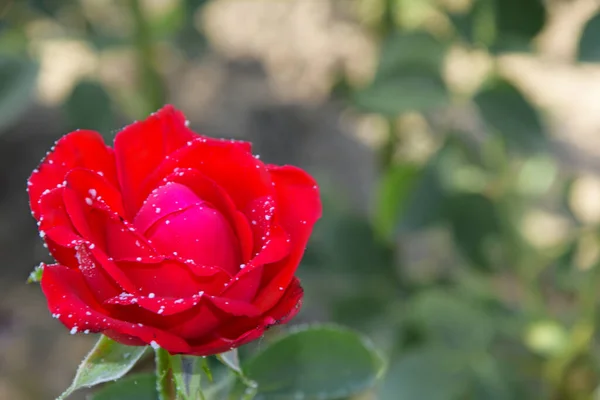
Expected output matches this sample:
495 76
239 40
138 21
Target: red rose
171 238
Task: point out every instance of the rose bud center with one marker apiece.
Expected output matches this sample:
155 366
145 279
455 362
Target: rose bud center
179 223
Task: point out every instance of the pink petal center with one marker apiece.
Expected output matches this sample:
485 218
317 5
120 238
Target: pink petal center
179 223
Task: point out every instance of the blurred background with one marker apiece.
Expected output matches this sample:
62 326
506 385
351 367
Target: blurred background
456 144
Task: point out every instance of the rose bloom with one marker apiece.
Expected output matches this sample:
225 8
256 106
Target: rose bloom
171 238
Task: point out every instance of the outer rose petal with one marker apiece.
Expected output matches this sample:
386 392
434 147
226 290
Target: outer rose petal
189 318
297 196
56 228
94 187
241 331
72 303
171 278
246 284
84 149
70 249
94 221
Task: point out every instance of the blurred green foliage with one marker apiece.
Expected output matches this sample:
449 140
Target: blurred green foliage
485 325
441 272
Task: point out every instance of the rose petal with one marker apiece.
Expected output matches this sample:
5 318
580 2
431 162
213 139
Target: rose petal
225 163
56 228
69 248
299 207
142 146
99 260
167 306
189 318
246 283
211 313
298 201
95 188
238 332
87 220
271 242
210 192
100 282
164 200
73 304
169 278
289 305
85 149
103 227
177 222
164 306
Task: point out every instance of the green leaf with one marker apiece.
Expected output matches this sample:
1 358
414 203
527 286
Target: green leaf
507 111
395 189
354 246
231 360
476 25
89 107
488 381
221 389
402 50
17 84
206 368
518 21
315 362
589 47
432 373
361 306
36 274
475 225
408 76
49 7
135 387
424 205
502 25
452 321
407 91
107 361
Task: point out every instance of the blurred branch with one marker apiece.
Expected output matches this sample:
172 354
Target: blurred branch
388 20
388 149
5 7
151 83
581 336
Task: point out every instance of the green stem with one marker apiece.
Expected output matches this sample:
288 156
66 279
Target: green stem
186 376
387 151
388 20
151 82
163 381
